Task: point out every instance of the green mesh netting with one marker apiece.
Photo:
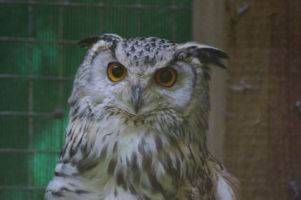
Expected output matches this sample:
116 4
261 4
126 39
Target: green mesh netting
29 144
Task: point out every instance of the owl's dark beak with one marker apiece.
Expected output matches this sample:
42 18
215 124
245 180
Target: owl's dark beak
136 98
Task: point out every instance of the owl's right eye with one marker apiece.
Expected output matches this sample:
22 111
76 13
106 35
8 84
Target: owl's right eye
116 71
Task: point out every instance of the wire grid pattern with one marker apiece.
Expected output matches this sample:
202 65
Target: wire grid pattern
38 60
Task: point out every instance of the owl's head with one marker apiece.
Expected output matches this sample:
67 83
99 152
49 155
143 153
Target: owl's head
144 76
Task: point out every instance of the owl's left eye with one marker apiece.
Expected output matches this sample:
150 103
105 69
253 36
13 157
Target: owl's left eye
166 77
116 71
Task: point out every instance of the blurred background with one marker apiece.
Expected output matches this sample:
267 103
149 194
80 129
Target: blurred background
255 123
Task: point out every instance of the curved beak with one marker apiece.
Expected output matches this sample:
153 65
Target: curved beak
136 98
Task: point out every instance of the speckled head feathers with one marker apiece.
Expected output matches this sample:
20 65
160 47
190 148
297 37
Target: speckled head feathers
145 50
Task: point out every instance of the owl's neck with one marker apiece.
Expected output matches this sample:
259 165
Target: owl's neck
152 133
149 154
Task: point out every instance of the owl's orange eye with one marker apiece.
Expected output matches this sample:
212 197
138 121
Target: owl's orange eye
166 77
116 71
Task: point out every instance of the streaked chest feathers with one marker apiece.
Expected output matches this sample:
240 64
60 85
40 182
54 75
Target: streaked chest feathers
118 154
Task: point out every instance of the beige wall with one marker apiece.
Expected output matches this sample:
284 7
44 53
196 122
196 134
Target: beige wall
255 119
210 27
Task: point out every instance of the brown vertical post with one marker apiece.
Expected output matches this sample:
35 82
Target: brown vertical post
260 140
210 27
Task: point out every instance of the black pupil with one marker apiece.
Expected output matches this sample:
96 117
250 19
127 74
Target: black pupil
165 76
117 71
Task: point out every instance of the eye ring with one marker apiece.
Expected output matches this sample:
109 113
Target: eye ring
166 77
116 71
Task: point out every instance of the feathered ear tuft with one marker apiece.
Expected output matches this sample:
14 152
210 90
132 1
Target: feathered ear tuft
90 41
206 54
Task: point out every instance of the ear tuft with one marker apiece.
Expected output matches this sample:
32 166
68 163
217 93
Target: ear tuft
217 52
90 41
204 53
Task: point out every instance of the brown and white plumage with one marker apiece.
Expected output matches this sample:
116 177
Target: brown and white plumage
140 137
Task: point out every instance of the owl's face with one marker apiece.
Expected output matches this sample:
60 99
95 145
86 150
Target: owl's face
144 76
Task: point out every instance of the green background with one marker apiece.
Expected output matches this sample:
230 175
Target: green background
38 59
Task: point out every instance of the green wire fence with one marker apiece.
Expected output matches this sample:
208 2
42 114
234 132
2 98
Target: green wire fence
38 59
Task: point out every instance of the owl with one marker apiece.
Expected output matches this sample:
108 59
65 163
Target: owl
137 124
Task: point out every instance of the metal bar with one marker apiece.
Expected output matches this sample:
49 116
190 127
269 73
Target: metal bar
138 17
36 77
61 70
33 40
94 5
15 187
30 98
173 22
10 150
54 114
101 19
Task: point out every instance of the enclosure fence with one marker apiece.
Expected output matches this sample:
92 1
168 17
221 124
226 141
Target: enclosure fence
38 60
